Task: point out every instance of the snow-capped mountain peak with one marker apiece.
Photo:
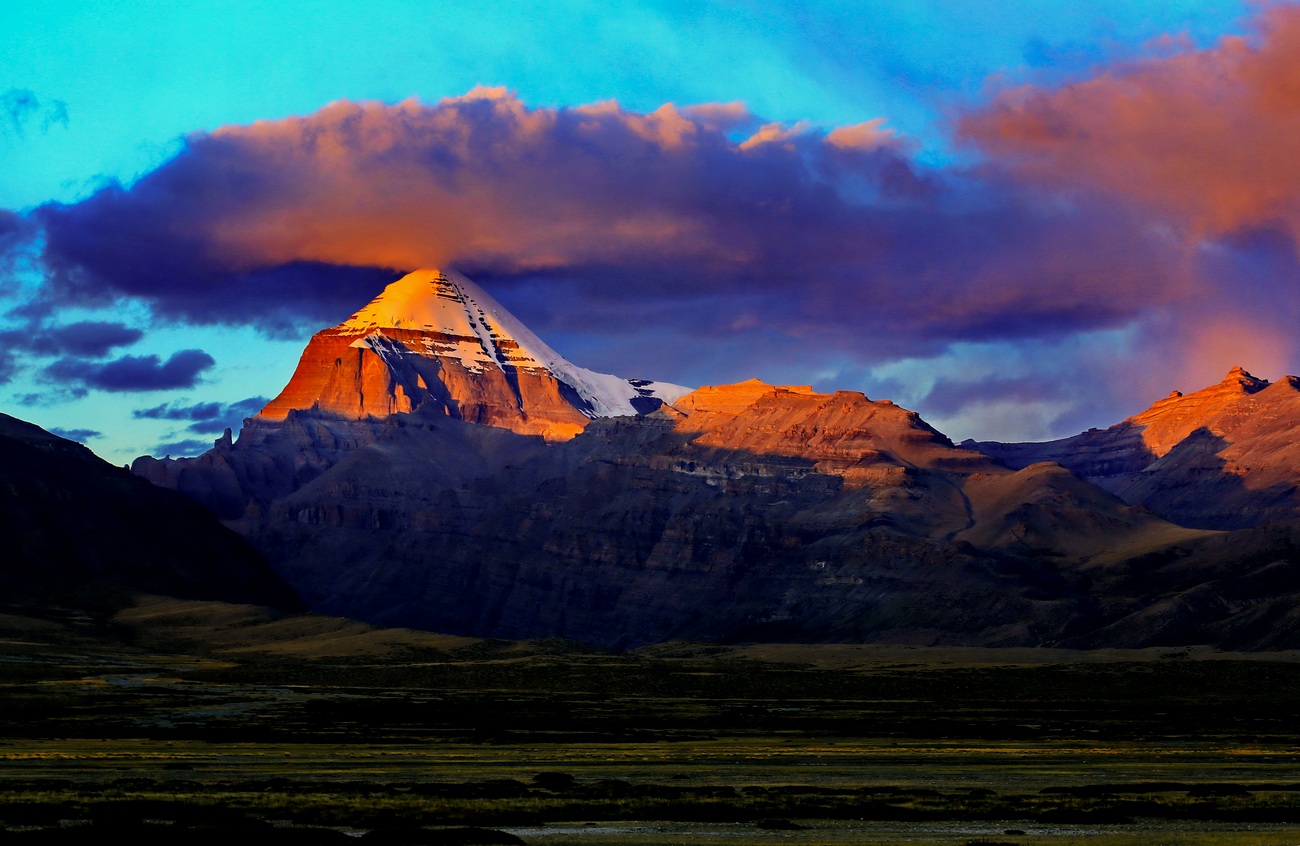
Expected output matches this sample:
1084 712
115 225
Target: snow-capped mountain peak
437 335
443 302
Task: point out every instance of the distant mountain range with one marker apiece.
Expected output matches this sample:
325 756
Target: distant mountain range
433 464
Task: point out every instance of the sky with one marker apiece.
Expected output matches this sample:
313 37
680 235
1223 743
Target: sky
1021 219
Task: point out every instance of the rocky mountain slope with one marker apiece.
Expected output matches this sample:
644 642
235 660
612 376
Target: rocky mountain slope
798 515
434 340
735 512
1225 457
74 524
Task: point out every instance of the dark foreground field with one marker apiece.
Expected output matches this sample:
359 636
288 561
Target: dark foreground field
205 723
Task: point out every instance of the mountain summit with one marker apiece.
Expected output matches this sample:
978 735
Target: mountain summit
434 340
1223 457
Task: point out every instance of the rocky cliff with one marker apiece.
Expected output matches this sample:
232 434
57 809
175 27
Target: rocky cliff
435 341
744 512
1225 457
412 474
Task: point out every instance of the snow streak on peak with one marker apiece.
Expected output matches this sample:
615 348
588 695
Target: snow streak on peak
469 325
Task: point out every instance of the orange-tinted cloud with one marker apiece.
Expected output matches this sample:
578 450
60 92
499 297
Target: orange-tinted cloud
1205 138
1197 145
702 215
868 136
702 243
479 179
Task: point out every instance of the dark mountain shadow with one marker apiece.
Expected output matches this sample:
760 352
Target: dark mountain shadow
628 534
1237 590
633 533
273 459
75 525
1191 485
1108 458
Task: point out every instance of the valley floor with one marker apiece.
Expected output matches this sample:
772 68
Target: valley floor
224 721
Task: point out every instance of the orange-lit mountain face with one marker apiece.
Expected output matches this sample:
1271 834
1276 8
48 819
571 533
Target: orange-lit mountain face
399 478
1224 457
435 341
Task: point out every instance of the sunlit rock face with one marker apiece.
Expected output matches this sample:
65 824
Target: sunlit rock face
1224 457
400 479
435 341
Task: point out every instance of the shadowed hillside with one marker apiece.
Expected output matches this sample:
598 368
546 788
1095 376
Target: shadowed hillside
76 525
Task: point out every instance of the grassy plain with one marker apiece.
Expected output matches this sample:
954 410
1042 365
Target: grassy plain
220 721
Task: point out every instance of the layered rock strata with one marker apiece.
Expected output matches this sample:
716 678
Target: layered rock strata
1225 457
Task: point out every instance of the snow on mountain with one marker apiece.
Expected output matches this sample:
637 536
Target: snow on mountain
475 329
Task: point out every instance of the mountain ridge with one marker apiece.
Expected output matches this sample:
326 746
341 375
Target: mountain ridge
734 512
1223 457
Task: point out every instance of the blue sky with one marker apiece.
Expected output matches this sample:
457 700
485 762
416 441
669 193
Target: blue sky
98 93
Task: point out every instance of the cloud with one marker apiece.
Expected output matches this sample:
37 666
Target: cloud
167 411
133 372
80 435
17 236
12 226
85 338
1204 137
90 338
833 237
1197 146
205 417
20 107
184 447
869 136
45 399
1154 198
950 395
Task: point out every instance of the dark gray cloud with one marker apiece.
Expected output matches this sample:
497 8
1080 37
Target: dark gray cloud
83 339
205 417
90 338
168 411
950 396
80 435
55 396
18 236
13 226
184 447
133 372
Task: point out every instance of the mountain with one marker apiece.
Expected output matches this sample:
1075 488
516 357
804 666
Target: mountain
462 477
78 526
435 341
1224 457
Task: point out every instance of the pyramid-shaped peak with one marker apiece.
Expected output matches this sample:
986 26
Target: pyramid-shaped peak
435 338
428 299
